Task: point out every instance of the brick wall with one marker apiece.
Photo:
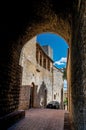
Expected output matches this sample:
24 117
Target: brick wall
10 80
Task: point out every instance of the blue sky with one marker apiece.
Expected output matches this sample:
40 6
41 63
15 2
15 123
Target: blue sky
59 46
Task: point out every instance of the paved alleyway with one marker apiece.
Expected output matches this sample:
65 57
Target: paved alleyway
41 119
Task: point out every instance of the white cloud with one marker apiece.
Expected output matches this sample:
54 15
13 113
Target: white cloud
65 84
62 61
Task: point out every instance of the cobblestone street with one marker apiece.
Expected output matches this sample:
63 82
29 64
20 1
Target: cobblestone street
41 119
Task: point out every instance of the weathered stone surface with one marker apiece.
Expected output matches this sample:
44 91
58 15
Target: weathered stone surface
47 81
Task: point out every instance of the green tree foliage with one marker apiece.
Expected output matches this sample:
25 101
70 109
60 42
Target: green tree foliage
66 101
64 73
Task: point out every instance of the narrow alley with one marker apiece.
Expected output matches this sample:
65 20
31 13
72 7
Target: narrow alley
42 119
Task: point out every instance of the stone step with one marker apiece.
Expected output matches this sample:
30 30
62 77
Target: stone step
10 119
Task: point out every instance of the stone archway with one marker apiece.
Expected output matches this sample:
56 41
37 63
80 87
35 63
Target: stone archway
28 63
50 19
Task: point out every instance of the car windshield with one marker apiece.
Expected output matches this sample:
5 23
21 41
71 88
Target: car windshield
53 102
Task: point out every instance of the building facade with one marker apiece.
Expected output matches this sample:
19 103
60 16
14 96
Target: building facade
40 80
36 88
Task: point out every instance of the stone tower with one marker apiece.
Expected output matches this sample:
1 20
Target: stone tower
48 50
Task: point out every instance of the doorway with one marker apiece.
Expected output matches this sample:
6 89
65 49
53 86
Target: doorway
45 98
31 104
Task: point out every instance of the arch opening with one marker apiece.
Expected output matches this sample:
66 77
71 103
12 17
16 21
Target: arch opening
34 69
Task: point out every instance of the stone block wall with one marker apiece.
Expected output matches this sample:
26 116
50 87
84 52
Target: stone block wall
78 66
10 80
24 97
69 81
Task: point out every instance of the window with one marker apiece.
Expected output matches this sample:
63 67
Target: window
40 58
48 65
44 62
54 96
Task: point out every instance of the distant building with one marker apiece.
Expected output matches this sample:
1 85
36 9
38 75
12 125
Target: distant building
58 85
48 50
65 99
65 94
